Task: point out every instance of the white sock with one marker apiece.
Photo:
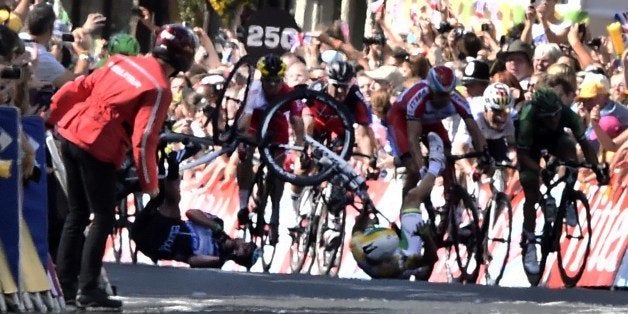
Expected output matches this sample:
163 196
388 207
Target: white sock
244 197
409 226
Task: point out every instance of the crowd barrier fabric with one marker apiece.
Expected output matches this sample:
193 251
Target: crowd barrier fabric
35 209
10 193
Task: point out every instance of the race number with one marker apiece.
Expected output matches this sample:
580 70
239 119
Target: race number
270 30
270 37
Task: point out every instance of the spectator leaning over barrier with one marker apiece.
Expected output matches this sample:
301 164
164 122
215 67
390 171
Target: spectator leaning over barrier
594 95
99 117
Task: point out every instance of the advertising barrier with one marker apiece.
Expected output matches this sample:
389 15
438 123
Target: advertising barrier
206 190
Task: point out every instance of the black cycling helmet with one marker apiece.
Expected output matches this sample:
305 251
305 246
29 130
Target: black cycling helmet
546 102
271 67
340 72
175 44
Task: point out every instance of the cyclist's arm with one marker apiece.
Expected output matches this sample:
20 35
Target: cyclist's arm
588 151
415 130
199 217
479 142
365 139
298 127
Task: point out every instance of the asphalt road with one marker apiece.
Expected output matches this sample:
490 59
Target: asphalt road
145 288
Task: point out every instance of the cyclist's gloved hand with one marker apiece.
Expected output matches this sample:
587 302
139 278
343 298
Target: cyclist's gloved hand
486 163
602 174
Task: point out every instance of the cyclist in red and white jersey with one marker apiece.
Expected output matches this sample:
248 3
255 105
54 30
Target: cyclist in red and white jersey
264 92
428 102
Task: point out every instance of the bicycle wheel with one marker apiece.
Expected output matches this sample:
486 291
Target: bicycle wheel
330 240
546 242
273 151
261 228
120 223
465 234
221 116
139 206
302 251
497 240
573 244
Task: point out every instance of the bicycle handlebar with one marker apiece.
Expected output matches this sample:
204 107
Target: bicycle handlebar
465 156
174 137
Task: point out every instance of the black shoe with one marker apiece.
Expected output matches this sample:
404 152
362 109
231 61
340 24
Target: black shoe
96 298
243 216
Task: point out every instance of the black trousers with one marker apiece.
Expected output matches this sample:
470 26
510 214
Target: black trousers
91 189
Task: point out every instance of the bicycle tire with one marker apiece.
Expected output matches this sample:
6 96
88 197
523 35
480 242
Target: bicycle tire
470 245
268 148
303 234
495 267
139 206
547 246
116 234
581 230
330 242
215 117
263 193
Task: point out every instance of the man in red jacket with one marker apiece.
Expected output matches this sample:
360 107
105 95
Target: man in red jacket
99 117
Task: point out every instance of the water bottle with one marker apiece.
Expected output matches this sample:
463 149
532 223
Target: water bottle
550 209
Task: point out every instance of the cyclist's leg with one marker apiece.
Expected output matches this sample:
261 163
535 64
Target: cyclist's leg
410 213
244 174
529 180
398 139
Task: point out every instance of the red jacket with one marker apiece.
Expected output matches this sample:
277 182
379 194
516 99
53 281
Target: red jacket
119 106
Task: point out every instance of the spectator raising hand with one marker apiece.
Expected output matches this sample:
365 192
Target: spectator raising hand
94 22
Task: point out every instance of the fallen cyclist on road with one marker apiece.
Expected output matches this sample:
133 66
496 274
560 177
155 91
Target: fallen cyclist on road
161 234
405 252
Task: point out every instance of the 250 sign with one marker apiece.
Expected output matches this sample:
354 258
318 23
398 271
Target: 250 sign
270 37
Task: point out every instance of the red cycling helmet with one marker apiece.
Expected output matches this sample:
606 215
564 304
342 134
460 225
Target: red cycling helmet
441 79
175 44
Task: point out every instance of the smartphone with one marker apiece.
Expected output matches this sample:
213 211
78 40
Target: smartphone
582 30
486 27
67 37
11 73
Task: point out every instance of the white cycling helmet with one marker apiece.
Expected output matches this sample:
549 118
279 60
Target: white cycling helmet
379 244
497 96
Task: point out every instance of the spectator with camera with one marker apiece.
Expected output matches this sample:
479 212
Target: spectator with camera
40 29
13 82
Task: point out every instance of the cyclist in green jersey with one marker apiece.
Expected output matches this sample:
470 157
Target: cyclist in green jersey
542 124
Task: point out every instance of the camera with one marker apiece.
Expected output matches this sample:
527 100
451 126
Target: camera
42 97
67 37
595 43
11 73
378 39
486 27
